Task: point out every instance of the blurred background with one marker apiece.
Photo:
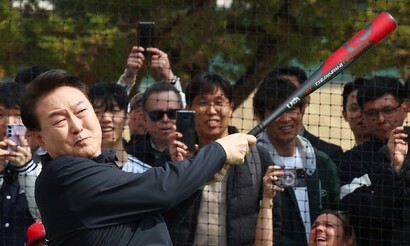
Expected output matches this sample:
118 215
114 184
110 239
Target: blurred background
240 39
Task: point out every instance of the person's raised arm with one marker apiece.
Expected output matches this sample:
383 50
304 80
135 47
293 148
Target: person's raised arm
264 226
135 61
161 64
398 147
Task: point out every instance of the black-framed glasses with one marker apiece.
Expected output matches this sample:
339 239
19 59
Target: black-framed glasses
158 115
387 112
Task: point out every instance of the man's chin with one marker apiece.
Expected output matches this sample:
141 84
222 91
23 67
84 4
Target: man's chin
87 152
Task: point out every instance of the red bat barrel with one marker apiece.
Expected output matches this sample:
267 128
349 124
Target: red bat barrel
368 37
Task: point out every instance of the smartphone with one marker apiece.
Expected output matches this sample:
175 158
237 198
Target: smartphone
293 177
186 126
145 35
13 131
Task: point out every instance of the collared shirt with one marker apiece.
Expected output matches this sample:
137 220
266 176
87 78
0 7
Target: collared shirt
134 165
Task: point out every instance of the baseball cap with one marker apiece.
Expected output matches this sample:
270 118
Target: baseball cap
35 232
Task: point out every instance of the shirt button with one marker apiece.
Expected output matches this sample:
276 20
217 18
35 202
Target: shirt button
6 225
8 197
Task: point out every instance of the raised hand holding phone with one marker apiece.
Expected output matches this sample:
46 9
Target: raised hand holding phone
186 126
145 35
13 131
16 149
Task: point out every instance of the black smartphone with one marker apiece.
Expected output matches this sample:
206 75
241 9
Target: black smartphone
145 35
186 126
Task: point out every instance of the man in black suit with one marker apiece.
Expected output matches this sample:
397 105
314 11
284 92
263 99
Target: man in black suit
297 76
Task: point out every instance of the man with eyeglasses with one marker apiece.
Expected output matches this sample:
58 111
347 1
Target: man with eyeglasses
361 169
159 103
297 76
311 179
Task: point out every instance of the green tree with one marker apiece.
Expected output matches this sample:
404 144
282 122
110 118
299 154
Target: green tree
92 38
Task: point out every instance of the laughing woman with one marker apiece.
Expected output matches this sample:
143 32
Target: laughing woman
332 228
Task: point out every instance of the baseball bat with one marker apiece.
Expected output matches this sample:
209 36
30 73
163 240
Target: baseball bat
359 44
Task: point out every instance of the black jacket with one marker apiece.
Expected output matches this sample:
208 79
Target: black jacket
15 216
144 151
332 150
374 209
93 202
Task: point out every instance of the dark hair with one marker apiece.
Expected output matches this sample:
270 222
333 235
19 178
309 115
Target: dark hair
11 95
207 83
407 87
348 230
41 86
158 88
290 71
27 75
271 93
379 86
350 87
111 95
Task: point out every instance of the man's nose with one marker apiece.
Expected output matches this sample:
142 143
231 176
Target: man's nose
107 116
76 124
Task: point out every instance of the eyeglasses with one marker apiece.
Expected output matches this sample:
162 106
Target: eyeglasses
158 115
386 112
353 108
203 105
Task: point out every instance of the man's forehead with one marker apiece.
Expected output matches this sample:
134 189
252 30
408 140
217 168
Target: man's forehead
384 100
164 96
4 108
61 98
292 78
217 94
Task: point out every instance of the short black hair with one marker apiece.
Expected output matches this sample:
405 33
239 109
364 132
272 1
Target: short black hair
110 94
11 95
379 86
349 88
159 87
272 92
44 84
27 75
207 83
290 71
407 87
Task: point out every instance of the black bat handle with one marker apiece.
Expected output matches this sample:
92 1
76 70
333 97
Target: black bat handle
262 125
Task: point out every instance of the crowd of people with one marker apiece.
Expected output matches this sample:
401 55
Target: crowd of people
73 179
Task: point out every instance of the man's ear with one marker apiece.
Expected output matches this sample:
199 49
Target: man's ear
258 117
231 105
39 139
344 115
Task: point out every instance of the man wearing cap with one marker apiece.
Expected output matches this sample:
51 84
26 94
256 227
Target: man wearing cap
36 234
